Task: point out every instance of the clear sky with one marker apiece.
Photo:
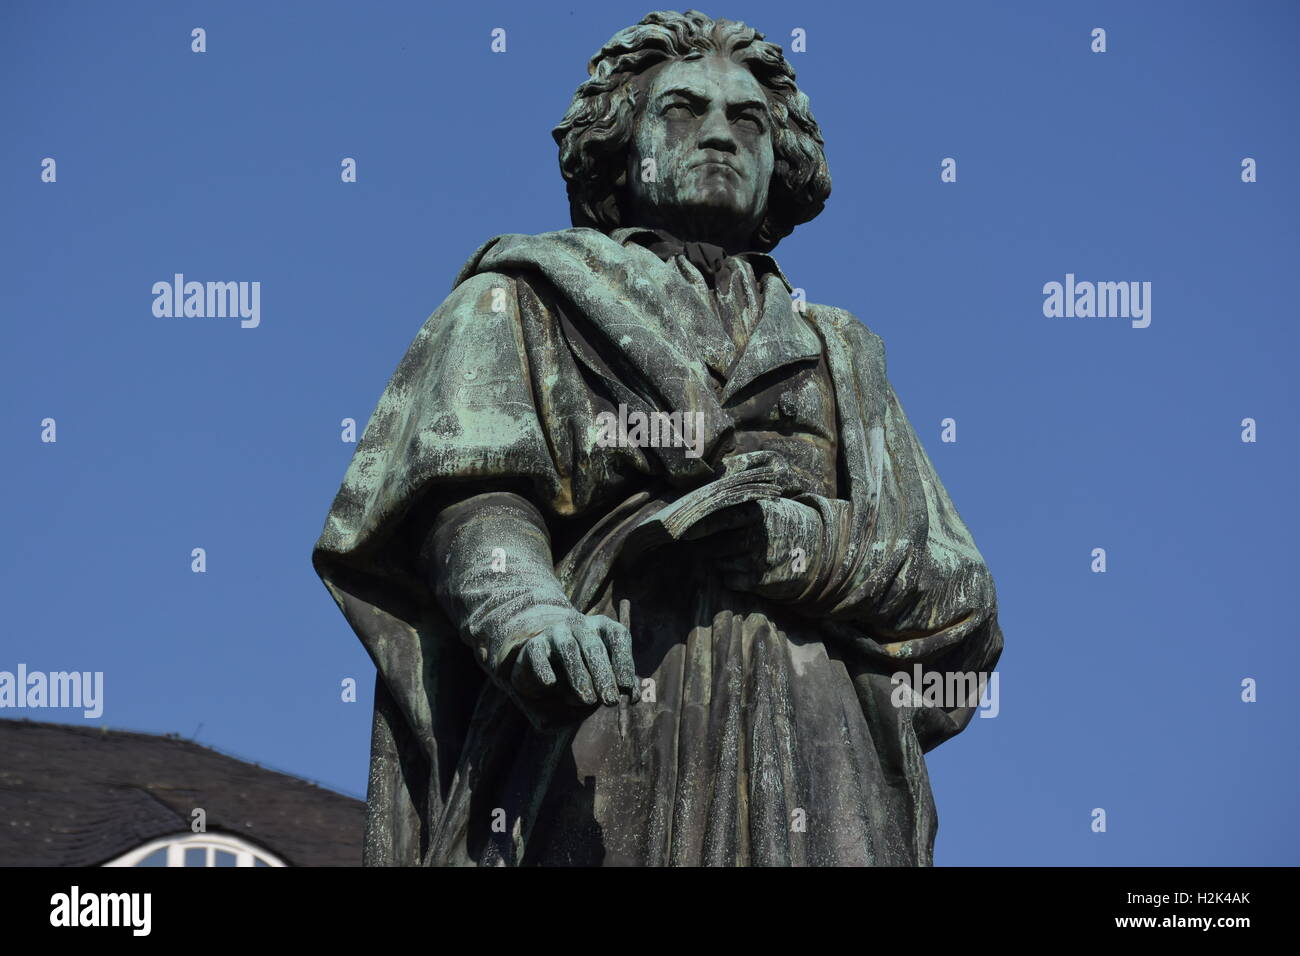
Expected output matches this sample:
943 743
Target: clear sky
1118 690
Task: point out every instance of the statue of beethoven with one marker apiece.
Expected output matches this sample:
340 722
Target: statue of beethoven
600 642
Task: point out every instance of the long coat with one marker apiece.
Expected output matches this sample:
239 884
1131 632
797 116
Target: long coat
772 736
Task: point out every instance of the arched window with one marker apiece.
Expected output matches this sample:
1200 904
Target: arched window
198 849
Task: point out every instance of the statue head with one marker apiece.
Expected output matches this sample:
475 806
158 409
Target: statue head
695 126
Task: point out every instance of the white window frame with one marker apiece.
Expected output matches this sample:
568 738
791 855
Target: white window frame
246 853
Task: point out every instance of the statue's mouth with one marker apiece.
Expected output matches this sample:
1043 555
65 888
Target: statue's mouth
716 165
723 164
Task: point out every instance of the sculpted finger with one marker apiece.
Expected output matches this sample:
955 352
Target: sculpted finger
597 658
618 644
532 672
570 654
792 484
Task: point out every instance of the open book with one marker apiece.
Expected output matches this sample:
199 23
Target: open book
745 478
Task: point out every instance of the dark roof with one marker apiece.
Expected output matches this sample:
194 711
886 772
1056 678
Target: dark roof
80 796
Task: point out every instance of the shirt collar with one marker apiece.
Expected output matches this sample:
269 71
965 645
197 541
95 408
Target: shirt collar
760 262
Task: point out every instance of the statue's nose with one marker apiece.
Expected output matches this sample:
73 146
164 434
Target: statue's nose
715 133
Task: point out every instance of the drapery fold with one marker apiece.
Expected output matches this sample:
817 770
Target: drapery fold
501 389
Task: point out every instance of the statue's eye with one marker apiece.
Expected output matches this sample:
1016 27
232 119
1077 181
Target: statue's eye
679 110
750 121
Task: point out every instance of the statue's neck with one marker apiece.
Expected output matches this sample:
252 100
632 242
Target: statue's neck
700 229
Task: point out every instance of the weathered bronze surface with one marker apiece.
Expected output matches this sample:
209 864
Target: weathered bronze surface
556 686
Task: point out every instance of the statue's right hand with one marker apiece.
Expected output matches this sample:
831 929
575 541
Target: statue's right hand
791 482
582 654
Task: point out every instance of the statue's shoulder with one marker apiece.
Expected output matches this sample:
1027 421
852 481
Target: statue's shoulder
541 261
834 320
543 251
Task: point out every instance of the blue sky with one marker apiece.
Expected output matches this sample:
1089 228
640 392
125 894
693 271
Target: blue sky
1118 690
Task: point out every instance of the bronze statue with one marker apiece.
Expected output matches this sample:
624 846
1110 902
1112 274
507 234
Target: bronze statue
636 538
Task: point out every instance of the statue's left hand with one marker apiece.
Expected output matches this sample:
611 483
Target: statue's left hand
771 548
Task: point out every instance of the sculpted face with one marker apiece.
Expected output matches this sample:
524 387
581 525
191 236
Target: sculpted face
705 124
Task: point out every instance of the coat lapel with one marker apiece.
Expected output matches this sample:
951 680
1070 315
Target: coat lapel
780 338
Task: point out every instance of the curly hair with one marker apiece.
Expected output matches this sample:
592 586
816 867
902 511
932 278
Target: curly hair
596 130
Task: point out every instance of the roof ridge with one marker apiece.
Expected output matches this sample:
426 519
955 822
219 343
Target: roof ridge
103 731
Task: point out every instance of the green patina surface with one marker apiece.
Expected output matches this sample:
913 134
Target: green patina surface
475 544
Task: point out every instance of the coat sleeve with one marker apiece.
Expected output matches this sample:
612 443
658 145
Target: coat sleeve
909 586
458 416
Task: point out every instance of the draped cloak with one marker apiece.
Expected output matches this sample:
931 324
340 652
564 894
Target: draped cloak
770 735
